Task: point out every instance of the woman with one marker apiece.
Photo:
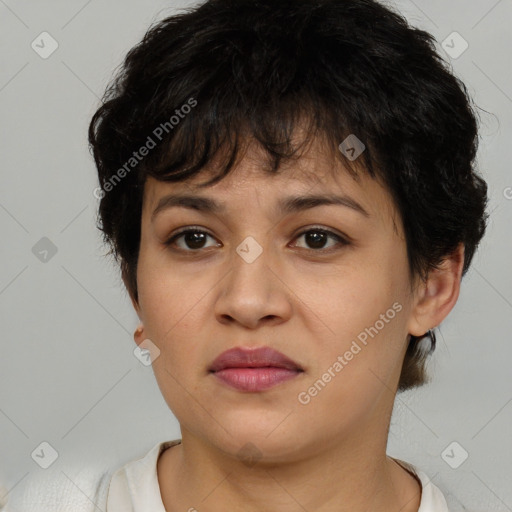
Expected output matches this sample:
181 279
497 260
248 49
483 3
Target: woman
289 190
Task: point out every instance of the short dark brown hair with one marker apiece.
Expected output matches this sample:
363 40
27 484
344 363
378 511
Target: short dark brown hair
254 69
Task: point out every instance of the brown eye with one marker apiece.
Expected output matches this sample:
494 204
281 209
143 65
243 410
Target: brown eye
316 239
191 239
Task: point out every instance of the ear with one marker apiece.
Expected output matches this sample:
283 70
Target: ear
438 294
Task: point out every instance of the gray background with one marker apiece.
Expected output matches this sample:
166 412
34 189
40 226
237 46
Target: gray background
68 375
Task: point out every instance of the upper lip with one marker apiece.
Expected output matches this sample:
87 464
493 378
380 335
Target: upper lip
241 357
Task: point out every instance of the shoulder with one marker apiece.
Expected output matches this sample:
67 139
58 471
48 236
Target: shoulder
84 489
135 486
59 490
432 499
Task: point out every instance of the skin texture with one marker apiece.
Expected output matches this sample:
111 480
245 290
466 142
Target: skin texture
309 303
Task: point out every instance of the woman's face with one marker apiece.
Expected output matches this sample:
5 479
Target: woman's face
340 308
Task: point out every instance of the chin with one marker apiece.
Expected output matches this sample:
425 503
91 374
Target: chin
255 446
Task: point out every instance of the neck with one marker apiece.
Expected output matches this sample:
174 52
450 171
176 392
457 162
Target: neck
352 474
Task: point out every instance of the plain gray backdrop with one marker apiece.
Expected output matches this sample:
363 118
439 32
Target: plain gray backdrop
68 374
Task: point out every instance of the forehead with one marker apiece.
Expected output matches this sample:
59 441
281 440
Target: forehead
315 171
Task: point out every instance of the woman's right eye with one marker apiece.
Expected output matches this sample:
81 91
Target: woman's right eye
193 239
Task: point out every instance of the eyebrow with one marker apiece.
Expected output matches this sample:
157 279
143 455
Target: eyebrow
286 205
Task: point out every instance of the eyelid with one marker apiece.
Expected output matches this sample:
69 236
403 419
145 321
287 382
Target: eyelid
186 229
328 231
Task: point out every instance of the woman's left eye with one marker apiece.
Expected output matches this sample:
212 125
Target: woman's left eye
316 238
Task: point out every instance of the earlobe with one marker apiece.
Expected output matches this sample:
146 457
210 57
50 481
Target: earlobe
138 334
437 296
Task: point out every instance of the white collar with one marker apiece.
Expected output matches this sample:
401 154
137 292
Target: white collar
134 487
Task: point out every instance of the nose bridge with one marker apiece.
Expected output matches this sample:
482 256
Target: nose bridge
250 264
251 290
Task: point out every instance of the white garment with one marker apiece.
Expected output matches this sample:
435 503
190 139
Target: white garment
134 488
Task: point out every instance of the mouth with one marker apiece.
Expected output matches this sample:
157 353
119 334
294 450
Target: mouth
254 369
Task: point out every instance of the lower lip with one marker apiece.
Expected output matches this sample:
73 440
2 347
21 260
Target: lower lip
255 379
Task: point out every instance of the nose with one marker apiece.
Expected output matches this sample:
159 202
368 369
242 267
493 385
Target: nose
254 292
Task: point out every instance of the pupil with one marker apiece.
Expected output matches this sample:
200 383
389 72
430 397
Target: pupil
194 240
315 239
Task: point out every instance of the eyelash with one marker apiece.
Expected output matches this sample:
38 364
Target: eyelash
193 229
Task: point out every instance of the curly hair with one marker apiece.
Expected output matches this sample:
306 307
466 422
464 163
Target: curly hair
202 82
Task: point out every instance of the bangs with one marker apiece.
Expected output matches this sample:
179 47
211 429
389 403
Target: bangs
214 136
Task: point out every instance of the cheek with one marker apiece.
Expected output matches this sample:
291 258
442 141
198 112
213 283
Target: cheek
177 315
355 369
347 303
363 319
171 300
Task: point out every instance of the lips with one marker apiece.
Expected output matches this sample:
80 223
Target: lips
263 357
254 370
